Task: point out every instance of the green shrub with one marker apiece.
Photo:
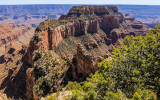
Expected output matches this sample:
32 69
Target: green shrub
51 98
91 95
73 86
77 95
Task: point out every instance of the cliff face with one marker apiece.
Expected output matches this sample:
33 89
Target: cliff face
82 37
75 23
81 20
98 10
85 63
30 83
10 32
13 65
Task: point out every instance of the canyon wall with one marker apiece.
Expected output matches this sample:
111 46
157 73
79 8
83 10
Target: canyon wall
30 83
13 63
109 20
82 37
80 21
85 62
49 37
10 32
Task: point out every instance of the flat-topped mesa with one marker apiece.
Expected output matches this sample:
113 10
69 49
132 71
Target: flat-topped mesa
81 20
91 10
70 26
98 10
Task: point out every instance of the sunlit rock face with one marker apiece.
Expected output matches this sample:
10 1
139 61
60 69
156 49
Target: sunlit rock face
82 37
104 23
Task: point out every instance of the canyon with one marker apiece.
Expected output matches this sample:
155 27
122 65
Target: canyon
34 14
76 42
11 32
30 14
15 41
82 37
139 12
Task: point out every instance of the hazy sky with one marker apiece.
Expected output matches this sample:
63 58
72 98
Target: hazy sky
139 2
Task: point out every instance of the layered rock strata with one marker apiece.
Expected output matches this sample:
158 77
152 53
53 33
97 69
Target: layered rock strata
81 20
13 66
10 32
82 37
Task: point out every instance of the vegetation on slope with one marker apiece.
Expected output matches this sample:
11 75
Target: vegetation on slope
51 23
49 73
133 73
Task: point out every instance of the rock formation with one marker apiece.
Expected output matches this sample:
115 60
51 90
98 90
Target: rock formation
82 37
85 64
107 25
30 83
12 64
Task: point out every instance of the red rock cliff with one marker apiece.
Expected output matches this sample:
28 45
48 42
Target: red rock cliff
78 22
96 28
100 21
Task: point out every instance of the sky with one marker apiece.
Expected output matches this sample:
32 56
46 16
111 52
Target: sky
137 2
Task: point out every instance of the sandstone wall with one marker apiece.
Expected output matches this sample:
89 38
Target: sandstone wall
30 83
85 63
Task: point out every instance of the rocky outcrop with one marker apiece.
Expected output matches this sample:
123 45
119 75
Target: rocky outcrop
133 22
90 10
102 22
128 17
85 63
50 35
82 37
98 10
30 83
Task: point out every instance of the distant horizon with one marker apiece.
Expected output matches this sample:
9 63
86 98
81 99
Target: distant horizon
83 2
78 4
